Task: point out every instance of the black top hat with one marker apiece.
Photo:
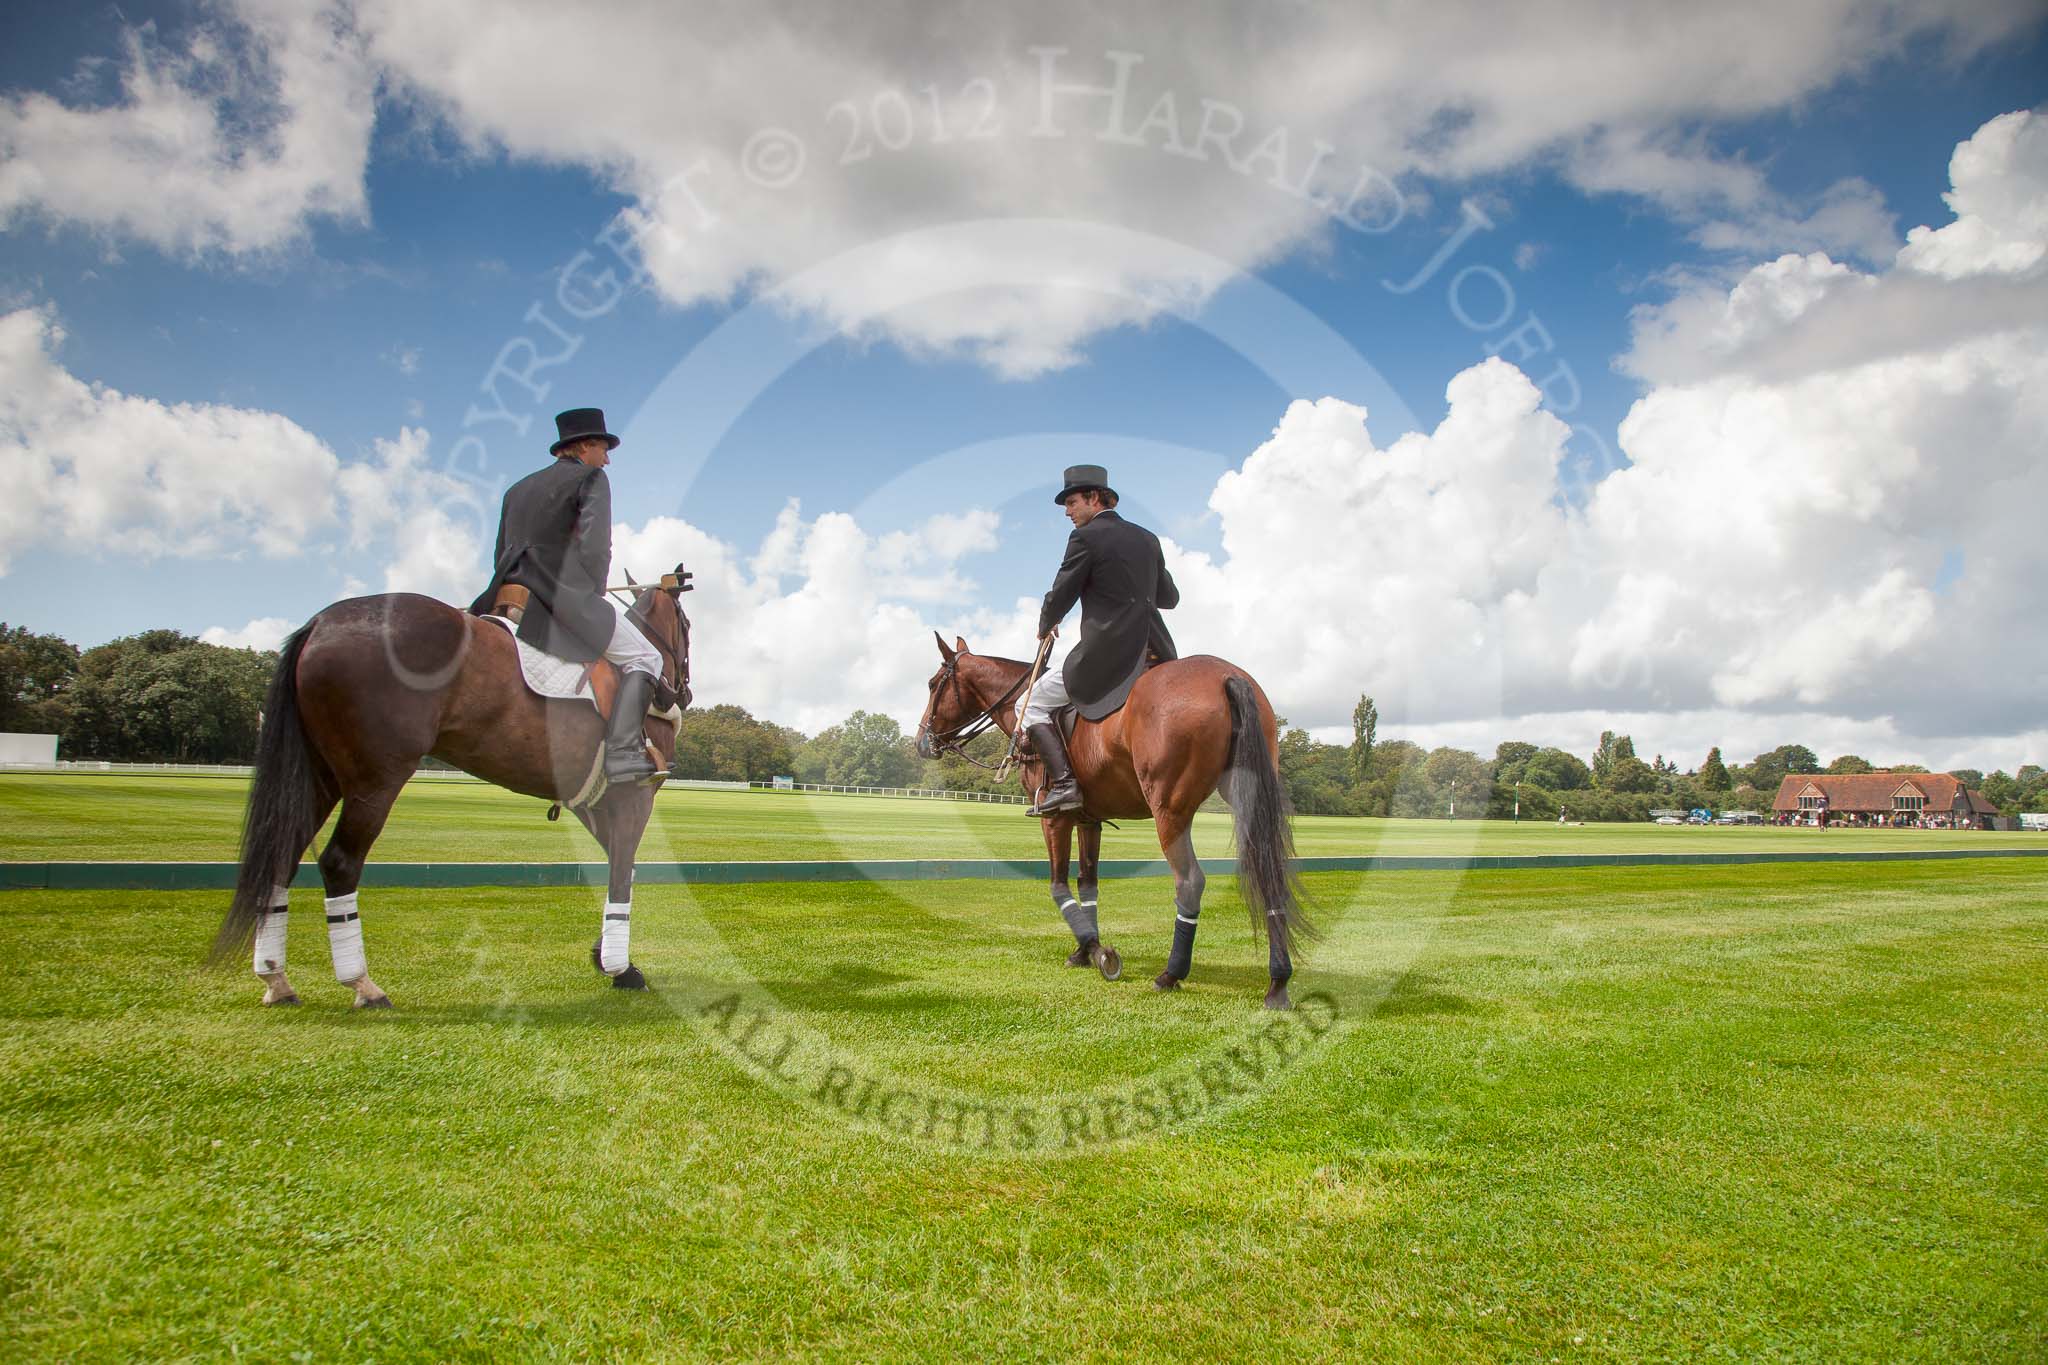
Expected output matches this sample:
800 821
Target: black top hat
579 423
1082 477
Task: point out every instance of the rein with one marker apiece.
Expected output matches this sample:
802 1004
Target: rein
956 739
670 659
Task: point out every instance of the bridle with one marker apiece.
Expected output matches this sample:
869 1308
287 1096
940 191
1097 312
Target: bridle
673 663
955 739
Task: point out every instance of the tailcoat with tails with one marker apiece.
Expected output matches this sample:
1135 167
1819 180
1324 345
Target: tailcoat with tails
1115 570
555 540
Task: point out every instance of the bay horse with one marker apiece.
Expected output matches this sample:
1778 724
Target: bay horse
1190 727
368 688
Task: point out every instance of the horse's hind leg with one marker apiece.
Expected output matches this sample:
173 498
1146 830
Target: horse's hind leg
270 925
1188 881
619 825
341 871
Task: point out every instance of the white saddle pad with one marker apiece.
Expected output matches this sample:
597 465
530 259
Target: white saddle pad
547 675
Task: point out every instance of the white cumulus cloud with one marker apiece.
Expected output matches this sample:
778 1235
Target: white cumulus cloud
755 145
228 141
825 618
89 466
264 632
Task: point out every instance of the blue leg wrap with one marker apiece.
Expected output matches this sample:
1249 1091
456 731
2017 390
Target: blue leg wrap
1182 959
1081 919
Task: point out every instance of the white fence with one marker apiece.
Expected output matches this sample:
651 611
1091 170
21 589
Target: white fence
918 793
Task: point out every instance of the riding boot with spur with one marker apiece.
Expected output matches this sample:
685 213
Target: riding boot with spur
625 742
1062 793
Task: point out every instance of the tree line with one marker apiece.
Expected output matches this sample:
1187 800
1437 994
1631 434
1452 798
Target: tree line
162 696
1533 782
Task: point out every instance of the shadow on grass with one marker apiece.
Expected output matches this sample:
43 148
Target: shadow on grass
1418 994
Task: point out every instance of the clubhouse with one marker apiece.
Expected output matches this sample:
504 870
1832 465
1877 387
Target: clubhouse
1912 800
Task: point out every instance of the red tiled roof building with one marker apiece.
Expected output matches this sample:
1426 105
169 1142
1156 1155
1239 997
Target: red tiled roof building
1935 800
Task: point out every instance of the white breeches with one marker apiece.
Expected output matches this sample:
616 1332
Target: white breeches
630 649
1047 697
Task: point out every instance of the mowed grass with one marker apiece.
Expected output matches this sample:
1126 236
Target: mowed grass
200 819
1755 1112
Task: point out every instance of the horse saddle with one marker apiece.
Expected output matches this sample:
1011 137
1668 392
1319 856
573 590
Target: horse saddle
596 682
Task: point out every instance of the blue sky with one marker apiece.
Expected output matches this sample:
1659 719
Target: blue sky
354 326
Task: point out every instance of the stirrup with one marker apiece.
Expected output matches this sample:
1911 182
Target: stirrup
1043 811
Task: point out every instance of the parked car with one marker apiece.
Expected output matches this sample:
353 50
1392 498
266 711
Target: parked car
1668 820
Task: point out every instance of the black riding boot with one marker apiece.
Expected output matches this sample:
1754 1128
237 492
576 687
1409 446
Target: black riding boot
1062 793
625 739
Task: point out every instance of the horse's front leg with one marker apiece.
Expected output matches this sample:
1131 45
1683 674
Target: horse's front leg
1188 881
618 825
1059 846
1101 956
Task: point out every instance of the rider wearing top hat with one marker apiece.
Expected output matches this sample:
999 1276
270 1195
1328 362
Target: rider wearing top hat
1114 568
555 540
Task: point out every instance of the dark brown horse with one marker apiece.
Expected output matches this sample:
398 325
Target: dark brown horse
1191 727
366 689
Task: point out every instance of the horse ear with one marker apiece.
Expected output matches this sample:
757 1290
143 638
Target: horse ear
944 653
631 581
960 644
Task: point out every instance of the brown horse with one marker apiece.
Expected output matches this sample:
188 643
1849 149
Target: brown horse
1190 727
370 686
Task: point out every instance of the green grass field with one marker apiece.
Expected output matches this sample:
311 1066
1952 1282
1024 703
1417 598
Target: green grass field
199 819
1625 1114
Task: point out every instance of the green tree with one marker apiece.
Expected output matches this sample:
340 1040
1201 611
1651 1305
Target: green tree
950 772
162 696
1365 724
864 750
1316 775
1849 764
1714 773
1613 748
1631 774
1457 776
1769 770
1969 777
37 673
1510 757
726 744
1395 785
1557 771
2002 792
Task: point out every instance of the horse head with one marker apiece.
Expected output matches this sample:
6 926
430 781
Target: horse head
658 609
950 705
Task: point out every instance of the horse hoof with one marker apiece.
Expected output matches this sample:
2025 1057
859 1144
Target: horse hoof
1277 999
1166 981
629 980
1080 957
373 1002
281 1000
1108 961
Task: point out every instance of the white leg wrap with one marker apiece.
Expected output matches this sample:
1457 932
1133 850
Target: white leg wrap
345 938
612 953
270 934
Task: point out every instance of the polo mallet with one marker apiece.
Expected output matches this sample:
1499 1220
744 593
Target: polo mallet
1024 702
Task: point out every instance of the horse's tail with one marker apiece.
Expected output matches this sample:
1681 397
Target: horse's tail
285 803
1265 842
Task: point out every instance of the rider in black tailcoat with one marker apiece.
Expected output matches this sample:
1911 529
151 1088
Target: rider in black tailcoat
555 540
1115 570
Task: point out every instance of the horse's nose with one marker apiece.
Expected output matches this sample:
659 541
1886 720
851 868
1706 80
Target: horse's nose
924 742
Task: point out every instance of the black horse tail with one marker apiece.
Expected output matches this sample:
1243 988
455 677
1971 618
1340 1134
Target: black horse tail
286 803
1265 841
